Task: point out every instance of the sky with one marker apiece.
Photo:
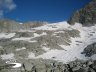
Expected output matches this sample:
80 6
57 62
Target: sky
41 10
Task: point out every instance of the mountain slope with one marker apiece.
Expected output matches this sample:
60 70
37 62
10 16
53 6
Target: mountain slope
77 45
59 41
56 42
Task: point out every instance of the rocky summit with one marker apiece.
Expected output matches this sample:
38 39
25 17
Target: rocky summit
86 16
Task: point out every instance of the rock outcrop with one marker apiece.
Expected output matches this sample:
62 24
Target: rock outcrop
90 50
86 16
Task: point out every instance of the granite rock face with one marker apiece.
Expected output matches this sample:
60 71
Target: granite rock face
90 50
86 16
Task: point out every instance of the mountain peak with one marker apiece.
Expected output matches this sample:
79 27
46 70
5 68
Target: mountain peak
86 16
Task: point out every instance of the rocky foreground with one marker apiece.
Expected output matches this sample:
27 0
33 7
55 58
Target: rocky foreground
41 65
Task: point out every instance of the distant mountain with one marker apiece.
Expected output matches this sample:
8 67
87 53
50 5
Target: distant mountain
7 25
86 15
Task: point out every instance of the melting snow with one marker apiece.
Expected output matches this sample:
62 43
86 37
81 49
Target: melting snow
31 55
59 32
28 39
46 49
22 38
32 41
19 49
7 56
38 35
7 35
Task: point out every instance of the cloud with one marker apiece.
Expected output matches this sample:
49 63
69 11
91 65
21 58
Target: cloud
9 4
6 5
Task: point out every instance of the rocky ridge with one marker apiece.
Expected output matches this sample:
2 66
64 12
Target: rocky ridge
86 16
7 25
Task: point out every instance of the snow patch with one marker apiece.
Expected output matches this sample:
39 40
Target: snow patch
19 49
28 39
50 54
54 26
7 56
59 32
32 41
46 49
7 35
31 55
38 35
22 38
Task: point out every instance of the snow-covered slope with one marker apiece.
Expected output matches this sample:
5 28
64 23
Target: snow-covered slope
73 51
43 42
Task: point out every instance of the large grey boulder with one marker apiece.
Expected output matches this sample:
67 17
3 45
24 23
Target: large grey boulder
90 50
